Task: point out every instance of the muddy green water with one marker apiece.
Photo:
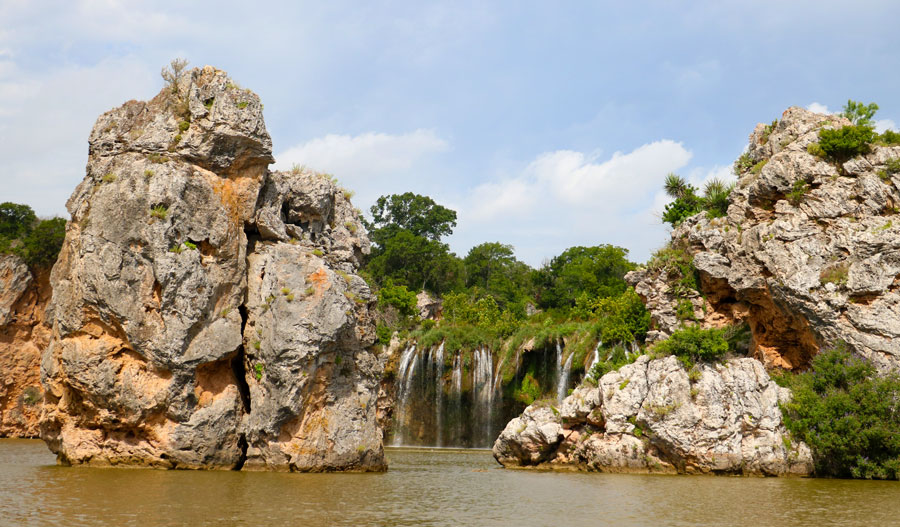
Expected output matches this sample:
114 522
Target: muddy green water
423 487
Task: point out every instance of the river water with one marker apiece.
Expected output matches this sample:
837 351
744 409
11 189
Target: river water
423 487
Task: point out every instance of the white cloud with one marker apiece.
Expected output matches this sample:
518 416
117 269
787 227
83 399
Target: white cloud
885 124
372 163
45 121
567 198
819 108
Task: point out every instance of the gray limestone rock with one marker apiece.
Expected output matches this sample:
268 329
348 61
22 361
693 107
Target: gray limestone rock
179 236
655 418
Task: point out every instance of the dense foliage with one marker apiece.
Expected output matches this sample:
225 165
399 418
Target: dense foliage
848 416
847 142
36 241
593 271
687 202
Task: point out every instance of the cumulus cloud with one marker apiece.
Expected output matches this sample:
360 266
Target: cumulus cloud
819 108
885 124
371 163
566 198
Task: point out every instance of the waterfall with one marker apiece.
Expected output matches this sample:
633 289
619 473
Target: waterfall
595 359
563 385
483 393
404 377
439 392
456 398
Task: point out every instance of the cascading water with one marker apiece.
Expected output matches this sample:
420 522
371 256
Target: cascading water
472 404
564 375
439 392
404 376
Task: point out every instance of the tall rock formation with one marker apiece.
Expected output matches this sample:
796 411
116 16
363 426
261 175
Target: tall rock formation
205 311
23 336
808 254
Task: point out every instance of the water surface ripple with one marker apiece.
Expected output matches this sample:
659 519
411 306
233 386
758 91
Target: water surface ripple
423 487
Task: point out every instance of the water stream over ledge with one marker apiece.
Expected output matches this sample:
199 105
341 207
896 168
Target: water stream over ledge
424 487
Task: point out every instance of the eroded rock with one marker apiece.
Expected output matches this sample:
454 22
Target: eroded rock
23 335
804 270
164 353
655 416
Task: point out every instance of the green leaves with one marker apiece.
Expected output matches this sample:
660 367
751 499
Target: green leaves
687 202
597 271
847 142
398 297
38 242
858 113
847 415
692 344
419 215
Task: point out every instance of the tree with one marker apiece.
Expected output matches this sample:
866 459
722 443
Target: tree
860 114
687 202
848 416
417 214
597 271
16 220
417 263
41 246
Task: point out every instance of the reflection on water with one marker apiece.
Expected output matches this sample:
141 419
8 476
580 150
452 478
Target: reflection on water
423 487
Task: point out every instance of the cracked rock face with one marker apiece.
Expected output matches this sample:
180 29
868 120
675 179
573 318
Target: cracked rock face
650 416
168 349
23 335
804 272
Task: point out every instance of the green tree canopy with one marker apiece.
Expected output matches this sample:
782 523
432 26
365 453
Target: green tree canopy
597 271
419 215
41 246
417 263
16 220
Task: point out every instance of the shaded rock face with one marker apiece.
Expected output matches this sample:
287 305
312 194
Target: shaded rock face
205 313
803 272
23 336
651 416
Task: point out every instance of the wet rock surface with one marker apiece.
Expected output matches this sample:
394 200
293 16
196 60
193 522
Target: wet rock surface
205 312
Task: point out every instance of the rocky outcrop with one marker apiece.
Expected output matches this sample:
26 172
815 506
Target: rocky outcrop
808 254
23 336
205 311
655 416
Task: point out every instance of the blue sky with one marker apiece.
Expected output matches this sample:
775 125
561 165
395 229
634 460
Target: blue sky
544 124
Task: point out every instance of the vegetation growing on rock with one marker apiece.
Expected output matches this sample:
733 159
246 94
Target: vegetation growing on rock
848 415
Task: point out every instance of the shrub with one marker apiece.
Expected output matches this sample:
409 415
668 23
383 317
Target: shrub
383 334
190 245
41 246
615 358
889 138
398 297
847 142
891 167
798 191
242 104
847 415
767 131
692 344
529 390
742 164
16 220
183 126
109 178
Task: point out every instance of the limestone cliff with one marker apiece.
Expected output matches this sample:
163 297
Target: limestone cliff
205 310
653 416
23 336
808 254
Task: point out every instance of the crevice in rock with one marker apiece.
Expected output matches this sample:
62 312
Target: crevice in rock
243 445
237 365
